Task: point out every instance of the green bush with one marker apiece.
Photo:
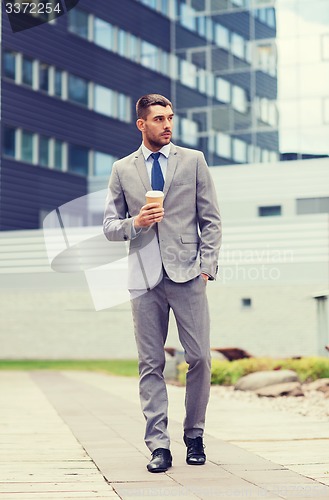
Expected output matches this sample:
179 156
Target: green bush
229 372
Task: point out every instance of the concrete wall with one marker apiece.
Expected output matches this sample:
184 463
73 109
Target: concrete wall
279 264
243 188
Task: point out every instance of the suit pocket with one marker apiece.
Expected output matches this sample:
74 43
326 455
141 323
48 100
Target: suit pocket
184 182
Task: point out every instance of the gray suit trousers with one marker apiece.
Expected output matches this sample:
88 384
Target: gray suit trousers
188 302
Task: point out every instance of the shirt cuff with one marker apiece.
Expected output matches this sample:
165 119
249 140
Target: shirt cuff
134 232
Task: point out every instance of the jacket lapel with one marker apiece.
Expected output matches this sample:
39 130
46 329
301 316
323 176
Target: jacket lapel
171 168
141 169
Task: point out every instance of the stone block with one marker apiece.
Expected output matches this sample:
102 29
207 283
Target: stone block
257 380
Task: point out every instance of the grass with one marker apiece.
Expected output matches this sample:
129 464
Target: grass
123 367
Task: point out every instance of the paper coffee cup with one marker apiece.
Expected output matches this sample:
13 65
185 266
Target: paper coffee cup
154 197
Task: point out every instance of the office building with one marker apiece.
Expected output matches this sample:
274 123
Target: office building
235 70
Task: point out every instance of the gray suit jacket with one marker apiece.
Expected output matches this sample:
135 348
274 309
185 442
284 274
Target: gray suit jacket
187 241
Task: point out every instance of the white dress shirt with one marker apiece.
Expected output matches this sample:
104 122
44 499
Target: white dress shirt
163 159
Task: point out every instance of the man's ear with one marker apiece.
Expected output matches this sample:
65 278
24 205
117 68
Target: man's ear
140 124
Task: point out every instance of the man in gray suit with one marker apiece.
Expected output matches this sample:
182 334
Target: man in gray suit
173 253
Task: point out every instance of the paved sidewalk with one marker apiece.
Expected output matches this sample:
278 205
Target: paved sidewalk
80 435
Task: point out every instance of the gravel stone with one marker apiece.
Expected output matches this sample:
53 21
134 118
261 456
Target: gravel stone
313 404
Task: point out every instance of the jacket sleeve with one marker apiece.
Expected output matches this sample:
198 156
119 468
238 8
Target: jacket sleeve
209 219
117 224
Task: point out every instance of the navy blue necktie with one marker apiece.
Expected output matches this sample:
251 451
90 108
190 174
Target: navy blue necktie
157 179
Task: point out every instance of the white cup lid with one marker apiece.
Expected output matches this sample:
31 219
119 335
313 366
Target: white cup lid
154 194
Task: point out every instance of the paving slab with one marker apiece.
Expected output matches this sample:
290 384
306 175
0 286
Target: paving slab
80 435
39 456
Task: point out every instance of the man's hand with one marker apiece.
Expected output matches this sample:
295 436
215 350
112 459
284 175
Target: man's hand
149 214
205 277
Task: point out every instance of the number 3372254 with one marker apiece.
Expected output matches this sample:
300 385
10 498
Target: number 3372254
33 8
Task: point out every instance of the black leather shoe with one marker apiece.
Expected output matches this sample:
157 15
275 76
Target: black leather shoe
161 460
195 454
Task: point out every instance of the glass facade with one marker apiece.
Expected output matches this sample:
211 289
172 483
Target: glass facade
58 83
78 90
72 88
232 58
27 147
78 159
9 142
270 63
9 64
44 77
44 152
303 77
27 71
249 79
264 66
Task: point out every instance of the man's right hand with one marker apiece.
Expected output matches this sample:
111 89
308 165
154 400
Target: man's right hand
149 214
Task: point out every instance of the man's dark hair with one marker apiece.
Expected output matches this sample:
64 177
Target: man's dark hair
144 102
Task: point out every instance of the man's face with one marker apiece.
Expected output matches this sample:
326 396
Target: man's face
157 127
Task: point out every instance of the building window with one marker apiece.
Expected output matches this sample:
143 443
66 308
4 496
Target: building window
202 80
58 83
223 146
124 108
9 142
239 151
187 17
222 37
9 65
103 164
210 90
27 147
27 71
78 22
134 48
189 132
188 74
265 57
239 99
44 157
271 19
210 29
78 90
123 42
173 66
104 34
104 101
150 56
223 90
201 25
58 154
246 303
44 77
78 159
237 45
318 205
111 103
269 211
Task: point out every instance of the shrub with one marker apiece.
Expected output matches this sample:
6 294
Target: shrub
229 372
308 369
